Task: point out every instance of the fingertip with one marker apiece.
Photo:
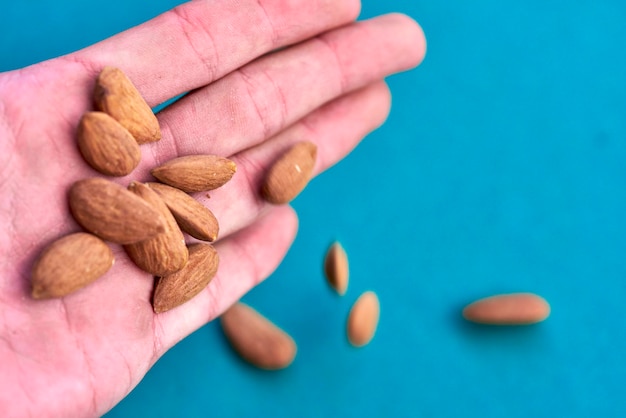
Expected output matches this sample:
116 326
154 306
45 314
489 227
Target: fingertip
288 218
375 99
383 102
354 8
413 34
421 44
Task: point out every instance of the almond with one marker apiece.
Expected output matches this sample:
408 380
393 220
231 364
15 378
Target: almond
363 319
111 212
192 217
166 253
69 264
290 174
116 95
336 268
196 173
106 145
256 339
508 309
176 289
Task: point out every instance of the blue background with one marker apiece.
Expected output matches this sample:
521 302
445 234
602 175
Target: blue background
506 155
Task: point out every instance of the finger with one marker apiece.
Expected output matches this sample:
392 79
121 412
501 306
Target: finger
200 41
246 258
247 106
336 128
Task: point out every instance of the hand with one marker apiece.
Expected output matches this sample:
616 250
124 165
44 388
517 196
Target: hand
261 75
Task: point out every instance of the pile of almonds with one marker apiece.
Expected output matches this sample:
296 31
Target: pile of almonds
148 219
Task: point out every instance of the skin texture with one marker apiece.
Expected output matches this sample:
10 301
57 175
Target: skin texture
81 354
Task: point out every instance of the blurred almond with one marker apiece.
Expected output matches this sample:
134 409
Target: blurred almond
175 289
196 173
192 217
69 264
106 145
290 174
508 309
256 339
165 253
363 319
336 268
117 96
111 212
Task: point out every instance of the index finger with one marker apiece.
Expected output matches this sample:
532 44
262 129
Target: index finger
198 42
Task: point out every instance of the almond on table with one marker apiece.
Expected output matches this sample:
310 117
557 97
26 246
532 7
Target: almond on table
363 319
508 309
256 339
336 268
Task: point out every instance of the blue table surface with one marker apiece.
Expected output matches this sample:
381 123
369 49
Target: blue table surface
504 170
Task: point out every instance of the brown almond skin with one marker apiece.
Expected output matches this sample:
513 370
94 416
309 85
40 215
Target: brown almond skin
363 319
192 217
196 173
113 213
508 309
256 339
116 95
68 264
290 174
174 290
166 253
106 145
336 268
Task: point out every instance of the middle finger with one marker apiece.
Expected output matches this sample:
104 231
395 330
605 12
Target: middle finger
255 102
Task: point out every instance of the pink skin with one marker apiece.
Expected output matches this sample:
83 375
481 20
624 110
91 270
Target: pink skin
81 354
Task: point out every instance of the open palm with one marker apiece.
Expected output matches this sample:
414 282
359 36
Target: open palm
260 76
